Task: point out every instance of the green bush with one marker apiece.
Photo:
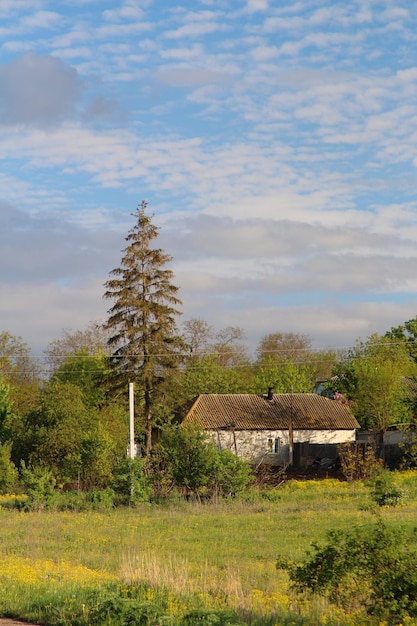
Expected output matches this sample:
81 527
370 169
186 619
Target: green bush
210 618
371 567
232 475
384 490
188 460
8 471
39 484
131 483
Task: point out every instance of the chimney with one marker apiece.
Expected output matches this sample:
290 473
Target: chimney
270 393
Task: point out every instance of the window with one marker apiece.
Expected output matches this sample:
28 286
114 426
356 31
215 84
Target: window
274 445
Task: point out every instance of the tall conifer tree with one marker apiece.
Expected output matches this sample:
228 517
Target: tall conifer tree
143 332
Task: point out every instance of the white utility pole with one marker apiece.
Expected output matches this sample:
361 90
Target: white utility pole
132 447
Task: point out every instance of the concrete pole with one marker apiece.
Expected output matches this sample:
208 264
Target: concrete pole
132 448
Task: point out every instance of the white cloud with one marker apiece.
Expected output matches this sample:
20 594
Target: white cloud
194 29
276 144
41 19
52 308
37 89
257 5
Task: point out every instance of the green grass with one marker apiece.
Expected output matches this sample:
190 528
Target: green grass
201 556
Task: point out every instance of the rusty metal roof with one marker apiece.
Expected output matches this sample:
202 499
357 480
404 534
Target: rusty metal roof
308 411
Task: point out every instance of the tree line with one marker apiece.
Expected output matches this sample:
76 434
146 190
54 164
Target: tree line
69 416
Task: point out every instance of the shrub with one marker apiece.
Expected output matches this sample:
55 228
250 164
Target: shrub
187 459
39 485
210 618
232 475
131 483
371 567
384 490
8 471
358 463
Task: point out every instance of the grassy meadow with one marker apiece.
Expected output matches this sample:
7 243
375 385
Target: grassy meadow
182 563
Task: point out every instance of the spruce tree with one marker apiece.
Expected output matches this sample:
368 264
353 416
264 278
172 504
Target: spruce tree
143 332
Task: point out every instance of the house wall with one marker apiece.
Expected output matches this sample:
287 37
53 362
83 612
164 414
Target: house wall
272 446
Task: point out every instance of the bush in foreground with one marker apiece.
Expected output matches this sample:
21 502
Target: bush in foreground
372 567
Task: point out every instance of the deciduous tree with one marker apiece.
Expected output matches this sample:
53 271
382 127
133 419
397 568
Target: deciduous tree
281 346
20 370
373 377
91 341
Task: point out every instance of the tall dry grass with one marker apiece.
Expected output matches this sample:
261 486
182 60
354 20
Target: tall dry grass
181 576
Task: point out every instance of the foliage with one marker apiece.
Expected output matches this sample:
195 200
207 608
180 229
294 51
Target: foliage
408 447
372 566
407 334
88 372
186 455
97 458
210 618
5 411
56 429
371 376
208 375
188 459
66 435
39 484
282 376
20 371
358 462
141 321
92 340
131 482
232 474
384 490
280 346
8 471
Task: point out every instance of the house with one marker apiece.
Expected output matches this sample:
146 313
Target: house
270 428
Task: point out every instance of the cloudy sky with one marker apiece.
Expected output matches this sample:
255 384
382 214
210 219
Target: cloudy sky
274 140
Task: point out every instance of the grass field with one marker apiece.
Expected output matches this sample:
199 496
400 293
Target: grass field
169 560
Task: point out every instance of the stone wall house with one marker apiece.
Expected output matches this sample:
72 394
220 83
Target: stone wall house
266 428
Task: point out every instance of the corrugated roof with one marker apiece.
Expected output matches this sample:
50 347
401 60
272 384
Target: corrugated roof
308 411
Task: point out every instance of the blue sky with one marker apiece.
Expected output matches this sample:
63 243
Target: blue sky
275 142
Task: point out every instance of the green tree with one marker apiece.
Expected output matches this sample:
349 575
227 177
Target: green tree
207 375
372 376
97 458
89 372
405 333
8 471
284 362
283 376
59 431
5 412
55 430
142 320
20 370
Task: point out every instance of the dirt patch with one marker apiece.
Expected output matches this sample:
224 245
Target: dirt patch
6 621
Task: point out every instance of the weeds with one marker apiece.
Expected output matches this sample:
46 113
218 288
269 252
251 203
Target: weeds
162 565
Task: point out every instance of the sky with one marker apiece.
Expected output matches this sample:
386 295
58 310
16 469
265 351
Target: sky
275 142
